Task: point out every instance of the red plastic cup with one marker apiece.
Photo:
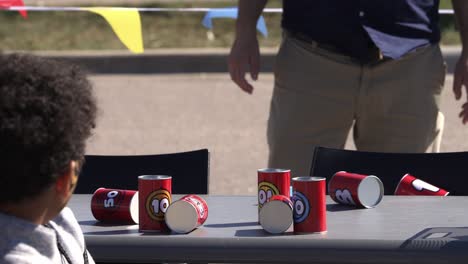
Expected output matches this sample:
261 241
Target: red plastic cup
272 182
154 199
310 210
115 206
356 189
186 214
276 215
410 185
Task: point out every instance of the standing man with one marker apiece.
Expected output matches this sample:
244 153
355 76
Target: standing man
47 111
371 65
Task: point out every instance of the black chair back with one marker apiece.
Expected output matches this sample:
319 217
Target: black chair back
444 170
189 171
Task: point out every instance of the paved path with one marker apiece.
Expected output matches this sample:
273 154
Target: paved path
142 114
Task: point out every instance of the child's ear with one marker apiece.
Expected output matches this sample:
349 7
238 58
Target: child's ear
66 182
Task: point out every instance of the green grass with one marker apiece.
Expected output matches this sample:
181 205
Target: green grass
87 31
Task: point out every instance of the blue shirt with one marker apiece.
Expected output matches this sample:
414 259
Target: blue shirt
353 27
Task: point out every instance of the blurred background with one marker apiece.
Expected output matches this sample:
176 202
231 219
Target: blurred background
87 31
177 95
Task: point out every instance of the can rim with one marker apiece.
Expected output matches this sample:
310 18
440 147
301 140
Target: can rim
308 178
287 199
183 225
381 191
154 177
282 209
273 170
134 208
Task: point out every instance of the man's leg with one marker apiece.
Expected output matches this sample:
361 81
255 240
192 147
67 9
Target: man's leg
399 103
313 104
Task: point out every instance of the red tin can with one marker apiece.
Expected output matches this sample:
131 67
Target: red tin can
276 216
186 214
356 189
272 182
154 199
310 210
410 185
115 206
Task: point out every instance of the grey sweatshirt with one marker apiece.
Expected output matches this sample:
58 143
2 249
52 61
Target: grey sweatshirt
25 242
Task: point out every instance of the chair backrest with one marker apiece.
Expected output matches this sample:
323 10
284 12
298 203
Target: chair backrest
444 170
189 171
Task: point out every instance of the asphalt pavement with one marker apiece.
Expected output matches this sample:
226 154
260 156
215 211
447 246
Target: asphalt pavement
163 111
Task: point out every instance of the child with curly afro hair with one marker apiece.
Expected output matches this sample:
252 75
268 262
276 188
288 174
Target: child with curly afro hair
47 112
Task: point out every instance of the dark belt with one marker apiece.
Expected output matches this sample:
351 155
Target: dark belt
373 54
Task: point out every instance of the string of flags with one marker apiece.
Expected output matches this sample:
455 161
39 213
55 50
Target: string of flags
126 25
126 22
6 4
230 13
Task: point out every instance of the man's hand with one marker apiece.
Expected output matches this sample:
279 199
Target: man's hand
461 69
244 57
460 81
245 53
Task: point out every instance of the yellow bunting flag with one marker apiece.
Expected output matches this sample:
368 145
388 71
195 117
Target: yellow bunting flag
126 24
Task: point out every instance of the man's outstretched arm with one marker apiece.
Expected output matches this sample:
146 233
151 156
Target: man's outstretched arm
245 52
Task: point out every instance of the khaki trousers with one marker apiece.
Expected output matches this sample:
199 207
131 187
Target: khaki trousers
319 96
